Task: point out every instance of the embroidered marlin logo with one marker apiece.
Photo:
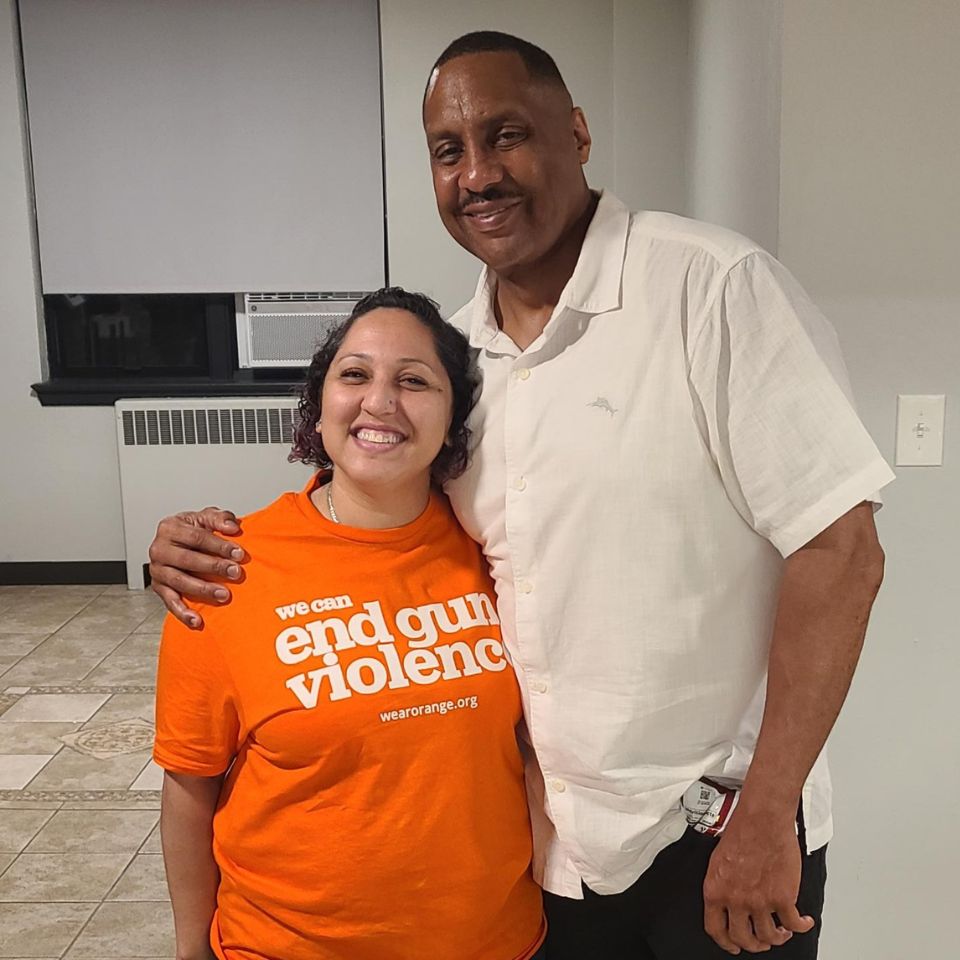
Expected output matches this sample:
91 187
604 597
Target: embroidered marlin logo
602 403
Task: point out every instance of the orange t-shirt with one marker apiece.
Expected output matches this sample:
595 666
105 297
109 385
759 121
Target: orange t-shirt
375 809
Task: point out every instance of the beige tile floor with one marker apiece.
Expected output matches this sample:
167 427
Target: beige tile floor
81 874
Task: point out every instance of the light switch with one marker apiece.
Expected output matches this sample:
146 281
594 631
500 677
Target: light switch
920 430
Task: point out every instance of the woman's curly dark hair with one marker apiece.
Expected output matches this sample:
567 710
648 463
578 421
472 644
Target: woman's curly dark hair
453 351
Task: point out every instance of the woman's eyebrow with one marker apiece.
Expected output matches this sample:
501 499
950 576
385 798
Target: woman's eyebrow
369 358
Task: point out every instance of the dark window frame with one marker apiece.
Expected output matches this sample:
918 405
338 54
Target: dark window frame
102 347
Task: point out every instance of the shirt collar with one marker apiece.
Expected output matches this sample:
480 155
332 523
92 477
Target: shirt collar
596 284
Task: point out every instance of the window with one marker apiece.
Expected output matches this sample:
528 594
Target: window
184 147
152 335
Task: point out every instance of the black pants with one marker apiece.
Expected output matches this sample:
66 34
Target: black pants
661 916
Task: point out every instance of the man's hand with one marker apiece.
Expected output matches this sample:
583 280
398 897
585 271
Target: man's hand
754 873
183 544
826 592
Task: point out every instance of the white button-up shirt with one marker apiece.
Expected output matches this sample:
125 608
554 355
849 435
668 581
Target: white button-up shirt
681 425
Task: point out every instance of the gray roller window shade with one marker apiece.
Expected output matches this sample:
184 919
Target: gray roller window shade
223 145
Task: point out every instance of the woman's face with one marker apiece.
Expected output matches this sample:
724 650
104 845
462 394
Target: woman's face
386 403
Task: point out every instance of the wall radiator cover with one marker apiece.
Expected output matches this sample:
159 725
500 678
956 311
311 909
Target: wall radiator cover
184 454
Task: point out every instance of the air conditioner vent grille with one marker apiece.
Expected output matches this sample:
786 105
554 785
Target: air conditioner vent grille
314 297
203 427
290 339
283 329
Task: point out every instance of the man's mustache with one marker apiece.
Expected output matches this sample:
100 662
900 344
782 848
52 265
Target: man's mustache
486 196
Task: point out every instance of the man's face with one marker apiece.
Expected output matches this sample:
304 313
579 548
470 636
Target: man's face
506 154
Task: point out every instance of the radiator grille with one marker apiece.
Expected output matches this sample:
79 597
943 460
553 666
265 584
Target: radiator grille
161 427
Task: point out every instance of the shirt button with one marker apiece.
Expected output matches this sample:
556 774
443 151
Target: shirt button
538 686
525 586
557 786
520 483
522 374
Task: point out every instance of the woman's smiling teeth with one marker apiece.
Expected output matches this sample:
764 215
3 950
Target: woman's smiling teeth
378 436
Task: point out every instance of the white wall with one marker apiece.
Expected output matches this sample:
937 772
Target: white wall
870 223
868 220
650 96
625 64
59 492
624 61
733 136
578 36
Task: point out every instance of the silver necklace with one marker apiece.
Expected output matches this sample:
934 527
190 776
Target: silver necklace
333 513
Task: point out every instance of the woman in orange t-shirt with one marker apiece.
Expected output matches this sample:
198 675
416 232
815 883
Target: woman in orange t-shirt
343 780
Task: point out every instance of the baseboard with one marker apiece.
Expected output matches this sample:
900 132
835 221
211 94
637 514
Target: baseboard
63 571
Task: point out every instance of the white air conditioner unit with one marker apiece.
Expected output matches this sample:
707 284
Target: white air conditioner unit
283 329
184 454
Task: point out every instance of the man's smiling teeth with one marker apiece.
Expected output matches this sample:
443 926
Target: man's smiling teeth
375 436
488 209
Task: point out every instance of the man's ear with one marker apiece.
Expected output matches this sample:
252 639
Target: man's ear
581 133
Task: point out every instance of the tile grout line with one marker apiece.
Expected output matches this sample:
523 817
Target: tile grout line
123 873
80 682
79 933
131 858
59 628
146 839
33 836
99 663
101 660
52 813
77 614
17 662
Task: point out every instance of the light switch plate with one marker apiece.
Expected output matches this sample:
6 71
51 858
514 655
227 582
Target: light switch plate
920 429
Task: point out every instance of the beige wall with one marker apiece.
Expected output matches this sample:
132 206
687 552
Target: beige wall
733 139
59 492
871 142
870 223
414 32
650 104
625 64
60 488
868 219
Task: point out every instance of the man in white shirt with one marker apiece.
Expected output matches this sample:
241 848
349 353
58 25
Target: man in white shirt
676 499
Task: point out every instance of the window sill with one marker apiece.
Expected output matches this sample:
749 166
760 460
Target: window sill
77 392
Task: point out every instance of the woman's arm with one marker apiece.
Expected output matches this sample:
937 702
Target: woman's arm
186 832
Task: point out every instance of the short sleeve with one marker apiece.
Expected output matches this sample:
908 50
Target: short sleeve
198 722
767 370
